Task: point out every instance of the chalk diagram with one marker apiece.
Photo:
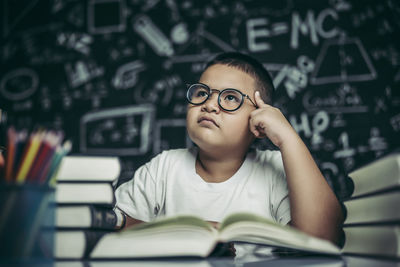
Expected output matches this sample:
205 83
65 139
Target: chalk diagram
118 131
199 38
19 84
342 60
154 37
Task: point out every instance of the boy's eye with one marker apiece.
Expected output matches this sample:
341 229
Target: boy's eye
231 98
201 93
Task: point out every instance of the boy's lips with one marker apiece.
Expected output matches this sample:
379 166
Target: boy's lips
207 118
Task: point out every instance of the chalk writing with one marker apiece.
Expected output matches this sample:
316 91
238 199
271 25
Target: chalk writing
319 123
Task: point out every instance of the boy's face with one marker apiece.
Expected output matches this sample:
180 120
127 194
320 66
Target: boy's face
209 126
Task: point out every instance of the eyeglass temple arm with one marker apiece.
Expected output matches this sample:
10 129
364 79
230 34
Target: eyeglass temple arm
248 97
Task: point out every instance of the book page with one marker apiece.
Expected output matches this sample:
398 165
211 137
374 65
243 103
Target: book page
180 220
245 227
243 216
176 236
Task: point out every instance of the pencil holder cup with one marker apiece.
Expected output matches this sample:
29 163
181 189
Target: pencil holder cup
24 209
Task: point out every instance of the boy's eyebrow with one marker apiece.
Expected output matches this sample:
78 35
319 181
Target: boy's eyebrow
219 89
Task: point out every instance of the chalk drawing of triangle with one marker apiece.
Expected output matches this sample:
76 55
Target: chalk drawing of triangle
342 60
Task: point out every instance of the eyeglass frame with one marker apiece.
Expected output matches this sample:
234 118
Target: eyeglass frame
188 85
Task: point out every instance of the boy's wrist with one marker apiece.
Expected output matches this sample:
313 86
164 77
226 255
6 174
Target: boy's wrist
290 142
121 219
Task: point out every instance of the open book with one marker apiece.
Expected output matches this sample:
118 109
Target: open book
191 236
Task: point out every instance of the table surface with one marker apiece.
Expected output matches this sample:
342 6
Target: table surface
247 256
351 261
250 256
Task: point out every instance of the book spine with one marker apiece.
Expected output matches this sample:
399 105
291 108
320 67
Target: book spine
92 237
83 192
103 217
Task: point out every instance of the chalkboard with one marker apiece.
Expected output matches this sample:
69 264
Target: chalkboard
112 73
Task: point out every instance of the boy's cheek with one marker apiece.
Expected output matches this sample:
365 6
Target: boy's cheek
190 122
190 116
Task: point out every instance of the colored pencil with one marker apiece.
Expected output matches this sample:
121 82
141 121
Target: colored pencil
45 153
2 165
66 148
22 140
10 153
32 149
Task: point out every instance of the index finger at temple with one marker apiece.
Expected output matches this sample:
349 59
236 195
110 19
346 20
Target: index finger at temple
259 101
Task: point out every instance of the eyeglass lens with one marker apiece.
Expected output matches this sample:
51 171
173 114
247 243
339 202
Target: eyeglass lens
228 99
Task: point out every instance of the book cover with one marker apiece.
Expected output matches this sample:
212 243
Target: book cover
378 208
89 168
376 240
84 193
381 174
71 244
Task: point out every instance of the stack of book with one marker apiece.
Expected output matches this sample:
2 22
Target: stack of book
84 201
372 224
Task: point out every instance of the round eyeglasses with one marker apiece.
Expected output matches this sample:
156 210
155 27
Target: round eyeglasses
229 99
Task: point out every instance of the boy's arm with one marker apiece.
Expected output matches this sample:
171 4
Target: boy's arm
314 207
124 220
131 221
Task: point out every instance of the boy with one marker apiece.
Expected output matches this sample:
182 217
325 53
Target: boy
221 175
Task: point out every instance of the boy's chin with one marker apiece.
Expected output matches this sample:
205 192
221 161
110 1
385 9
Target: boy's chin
207 144
217 147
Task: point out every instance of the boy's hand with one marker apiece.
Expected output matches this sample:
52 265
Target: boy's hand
268 121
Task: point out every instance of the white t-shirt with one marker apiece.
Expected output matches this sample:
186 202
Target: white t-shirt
169 185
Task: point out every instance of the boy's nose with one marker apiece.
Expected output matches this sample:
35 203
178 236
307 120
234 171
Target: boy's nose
212 103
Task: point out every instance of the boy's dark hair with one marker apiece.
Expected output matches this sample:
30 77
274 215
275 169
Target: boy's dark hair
250 66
